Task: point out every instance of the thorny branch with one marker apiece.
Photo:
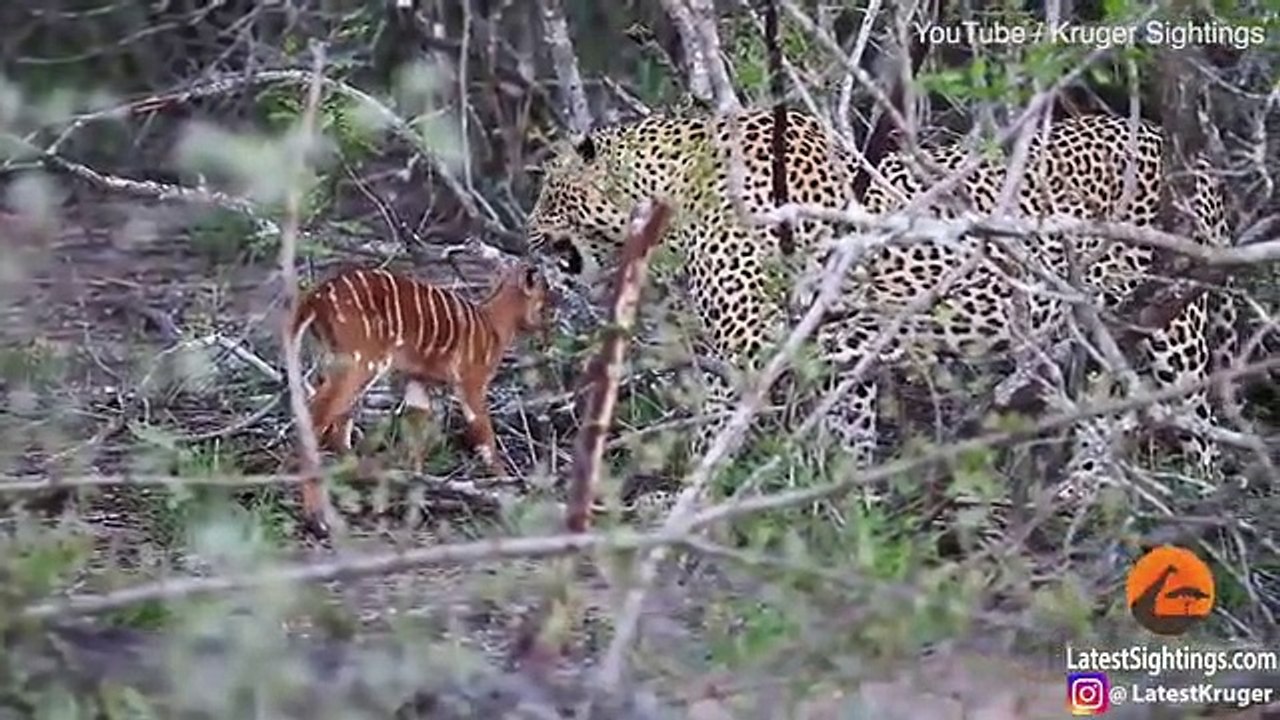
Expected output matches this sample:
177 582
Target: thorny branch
797 498
910 227
475 494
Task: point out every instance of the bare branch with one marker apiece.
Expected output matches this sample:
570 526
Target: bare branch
164 192
907 226
870 13
344 568
565 61
288 271
603 372
776 86
473 493
696 22
473 204
797 498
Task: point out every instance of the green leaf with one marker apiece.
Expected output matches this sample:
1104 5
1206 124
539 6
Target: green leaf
1115 9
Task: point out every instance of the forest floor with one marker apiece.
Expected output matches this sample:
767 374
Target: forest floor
138 341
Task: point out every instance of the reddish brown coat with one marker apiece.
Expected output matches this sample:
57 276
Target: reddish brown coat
372 322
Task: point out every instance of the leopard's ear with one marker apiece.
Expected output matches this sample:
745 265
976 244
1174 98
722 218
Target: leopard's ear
586 148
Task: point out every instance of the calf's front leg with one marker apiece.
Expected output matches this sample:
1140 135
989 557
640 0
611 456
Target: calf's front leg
475 411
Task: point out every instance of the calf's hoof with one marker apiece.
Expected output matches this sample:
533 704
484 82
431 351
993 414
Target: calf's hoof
503 468
490 464
316 525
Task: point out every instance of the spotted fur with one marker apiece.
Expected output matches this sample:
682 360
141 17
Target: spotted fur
1078 170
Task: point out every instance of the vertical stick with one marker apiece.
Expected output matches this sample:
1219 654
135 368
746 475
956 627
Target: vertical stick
604 370
786 240
288 257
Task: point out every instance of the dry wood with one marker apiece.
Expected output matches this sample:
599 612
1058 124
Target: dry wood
603 371
780 196
288 270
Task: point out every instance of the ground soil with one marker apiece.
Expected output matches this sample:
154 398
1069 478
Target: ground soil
117 282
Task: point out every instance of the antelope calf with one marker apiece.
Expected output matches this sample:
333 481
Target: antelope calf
372 322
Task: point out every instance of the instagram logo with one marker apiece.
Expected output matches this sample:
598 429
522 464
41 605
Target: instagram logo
1088 693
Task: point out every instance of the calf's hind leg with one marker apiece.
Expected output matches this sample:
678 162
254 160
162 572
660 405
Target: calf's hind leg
338 437
331 409
333 434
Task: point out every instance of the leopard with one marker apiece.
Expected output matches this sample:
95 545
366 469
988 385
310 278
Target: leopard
745 285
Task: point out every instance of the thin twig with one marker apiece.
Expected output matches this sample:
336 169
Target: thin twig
355 566
345 568
907 226
288 253
795 498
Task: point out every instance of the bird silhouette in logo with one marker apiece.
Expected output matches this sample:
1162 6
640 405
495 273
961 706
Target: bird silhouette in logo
1173 611
1189 594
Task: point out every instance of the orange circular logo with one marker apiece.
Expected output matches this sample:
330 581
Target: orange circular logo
1169 589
